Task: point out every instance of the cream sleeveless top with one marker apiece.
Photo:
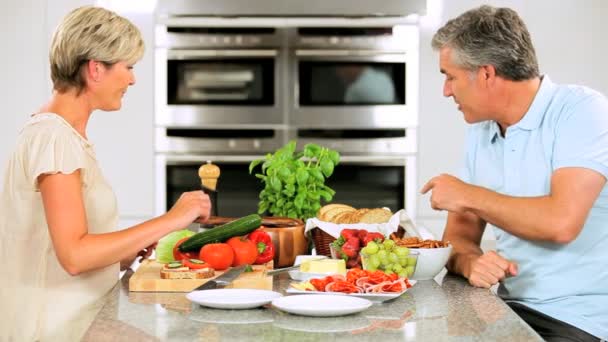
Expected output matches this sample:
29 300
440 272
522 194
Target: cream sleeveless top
39 300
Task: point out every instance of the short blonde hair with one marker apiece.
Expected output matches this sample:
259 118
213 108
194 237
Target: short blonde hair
91 33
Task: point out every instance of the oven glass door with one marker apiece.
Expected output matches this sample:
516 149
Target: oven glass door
358 184
237 82
351 83
205 88
350 89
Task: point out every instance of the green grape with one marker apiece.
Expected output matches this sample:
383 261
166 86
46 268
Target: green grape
409 270
374 261
393 258
372 248
388 244
397 268
389 272
388 267
382 254
411 261
370 268
402 273
385 262
365 251
403 261
401 251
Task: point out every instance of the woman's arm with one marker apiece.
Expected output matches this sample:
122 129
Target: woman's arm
79 251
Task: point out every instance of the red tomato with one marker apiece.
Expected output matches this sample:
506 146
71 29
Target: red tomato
245 250
194 264
179 255
218 255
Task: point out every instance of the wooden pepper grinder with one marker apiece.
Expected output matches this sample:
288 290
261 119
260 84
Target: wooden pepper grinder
209 174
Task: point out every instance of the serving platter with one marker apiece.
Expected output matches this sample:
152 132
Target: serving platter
373 297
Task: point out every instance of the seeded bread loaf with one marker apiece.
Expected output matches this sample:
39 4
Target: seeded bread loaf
186 273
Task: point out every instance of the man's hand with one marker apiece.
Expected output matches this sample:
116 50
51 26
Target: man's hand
448 193
488 269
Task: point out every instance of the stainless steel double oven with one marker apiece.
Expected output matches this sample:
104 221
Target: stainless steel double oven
231 91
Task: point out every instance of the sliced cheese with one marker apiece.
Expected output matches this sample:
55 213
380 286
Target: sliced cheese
324 266
305 286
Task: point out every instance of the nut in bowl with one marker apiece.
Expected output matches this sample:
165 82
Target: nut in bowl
433 255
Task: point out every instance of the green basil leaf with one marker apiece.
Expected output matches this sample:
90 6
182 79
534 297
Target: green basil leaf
316 173
326 195
327 167
334 156
301 176
254 163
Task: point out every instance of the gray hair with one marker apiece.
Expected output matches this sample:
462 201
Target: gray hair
490 36
91 33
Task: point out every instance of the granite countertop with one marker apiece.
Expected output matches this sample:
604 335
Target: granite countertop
444 309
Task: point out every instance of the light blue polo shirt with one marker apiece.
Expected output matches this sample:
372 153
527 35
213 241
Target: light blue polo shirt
566 126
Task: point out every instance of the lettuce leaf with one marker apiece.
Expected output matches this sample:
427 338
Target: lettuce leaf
164 249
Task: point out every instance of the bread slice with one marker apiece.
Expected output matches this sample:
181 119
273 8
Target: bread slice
343 217
377 215
186 273
321 215
332 214
356 216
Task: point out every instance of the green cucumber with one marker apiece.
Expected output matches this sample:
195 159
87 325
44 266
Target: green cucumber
238 227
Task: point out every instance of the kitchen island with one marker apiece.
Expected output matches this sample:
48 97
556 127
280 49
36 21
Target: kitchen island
444 309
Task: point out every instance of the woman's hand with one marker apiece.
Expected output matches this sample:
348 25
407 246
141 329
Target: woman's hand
143 254
191 206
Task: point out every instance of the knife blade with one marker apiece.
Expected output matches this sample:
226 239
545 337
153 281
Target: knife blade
290 268
223 279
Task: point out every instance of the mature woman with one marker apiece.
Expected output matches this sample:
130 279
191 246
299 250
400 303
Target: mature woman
60 247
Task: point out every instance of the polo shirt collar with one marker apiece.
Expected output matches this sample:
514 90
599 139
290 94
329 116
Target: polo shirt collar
536 112
534 116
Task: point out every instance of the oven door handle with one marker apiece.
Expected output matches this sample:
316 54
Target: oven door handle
171 159
374 160
191 54
351 53
178 159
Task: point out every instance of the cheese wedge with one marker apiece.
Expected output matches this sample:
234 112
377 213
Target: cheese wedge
331 266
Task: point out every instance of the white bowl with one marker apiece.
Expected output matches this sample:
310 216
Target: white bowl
430 262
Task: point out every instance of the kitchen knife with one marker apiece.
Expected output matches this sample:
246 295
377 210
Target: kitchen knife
222 280
290 268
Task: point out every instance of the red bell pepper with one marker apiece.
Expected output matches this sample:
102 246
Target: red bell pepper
264 244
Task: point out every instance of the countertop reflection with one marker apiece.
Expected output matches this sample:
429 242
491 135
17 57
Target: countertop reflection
444 309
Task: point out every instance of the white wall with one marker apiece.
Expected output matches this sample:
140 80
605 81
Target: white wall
568 35
570 42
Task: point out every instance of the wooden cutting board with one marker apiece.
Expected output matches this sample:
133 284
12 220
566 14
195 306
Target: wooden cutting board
147 279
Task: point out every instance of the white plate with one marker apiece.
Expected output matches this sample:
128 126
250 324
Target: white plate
321 305
374 297
232 298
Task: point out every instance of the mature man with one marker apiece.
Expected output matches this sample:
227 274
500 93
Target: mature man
535 168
